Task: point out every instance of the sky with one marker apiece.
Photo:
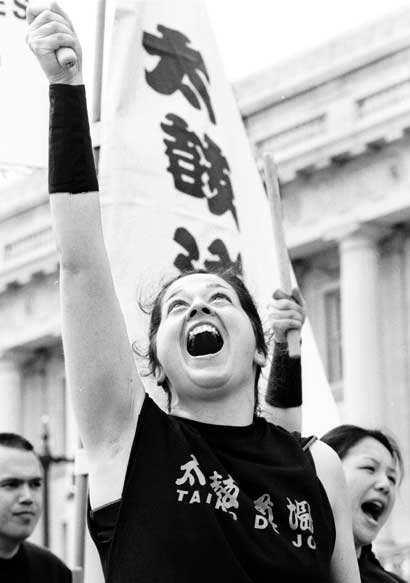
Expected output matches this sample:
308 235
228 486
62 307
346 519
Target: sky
254 34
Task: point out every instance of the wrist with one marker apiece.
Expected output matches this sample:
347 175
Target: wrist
280 337
77 79
281 347
284 388
66 76
71 161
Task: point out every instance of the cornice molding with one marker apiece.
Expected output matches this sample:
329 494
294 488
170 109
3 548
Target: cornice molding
366 45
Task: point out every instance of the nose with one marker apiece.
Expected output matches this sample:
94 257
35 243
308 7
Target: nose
199 308
26 495
383 483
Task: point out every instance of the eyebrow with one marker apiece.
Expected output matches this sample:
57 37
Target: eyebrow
208 286
20 479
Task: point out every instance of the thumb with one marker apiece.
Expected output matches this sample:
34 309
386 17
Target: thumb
297 296
279 294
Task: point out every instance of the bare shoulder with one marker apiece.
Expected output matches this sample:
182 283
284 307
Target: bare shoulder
329 470
344 567
324 456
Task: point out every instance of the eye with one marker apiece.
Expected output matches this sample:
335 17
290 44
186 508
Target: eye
370 469
221 296
392 480
35 484
10 485
175 304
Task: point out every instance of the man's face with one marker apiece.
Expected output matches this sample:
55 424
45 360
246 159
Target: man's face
20 494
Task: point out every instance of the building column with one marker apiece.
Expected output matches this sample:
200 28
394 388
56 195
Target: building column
395 346
10 394
359 283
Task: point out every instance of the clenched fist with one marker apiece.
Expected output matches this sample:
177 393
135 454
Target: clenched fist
286 313
52 38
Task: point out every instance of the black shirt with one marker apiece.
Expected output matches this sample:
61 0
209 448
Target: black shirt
32 564
371 570
15 569
216 503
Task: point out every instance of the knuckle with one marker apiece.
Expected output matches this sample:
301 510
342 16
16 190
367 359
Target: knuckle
53 26
48 15
32 44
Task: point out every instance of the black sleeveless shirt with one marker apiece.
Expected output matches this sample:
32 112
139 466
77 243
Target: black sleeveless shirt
216 503
371 571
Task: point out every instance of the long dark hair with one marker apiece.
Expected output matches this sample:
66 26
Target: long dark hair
245 300
343 437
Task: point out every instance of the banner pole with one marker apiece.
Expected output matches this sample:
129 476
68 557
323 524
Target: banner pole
80 510
98 60
283 261
98 74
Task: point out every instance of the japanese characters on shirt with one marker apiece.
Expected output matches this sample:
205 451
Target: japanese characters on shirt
197 164
222 493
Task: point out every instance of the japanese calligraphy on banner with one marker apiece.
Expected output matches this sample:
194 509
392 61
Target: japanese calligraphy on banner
179 185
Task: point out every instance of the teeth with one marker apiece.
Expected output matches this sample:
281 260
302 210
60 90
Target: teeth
204 339
203 328
374 508
376 504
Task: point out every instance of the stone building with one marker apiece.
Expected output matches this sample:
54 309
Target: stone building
338 122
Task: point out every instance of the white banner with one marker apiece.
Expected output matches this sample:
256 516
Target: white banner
180 188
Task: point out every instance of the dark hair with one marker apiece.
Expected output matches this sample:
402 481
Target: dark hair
245 300
343 437
15 441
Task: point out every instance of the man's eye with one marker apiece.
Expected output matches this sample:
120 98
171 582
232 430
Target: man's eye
221 296
9 485
35 484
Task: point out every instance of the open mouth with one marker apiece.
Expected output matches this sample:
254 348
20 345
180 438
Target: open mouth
204 339
373 509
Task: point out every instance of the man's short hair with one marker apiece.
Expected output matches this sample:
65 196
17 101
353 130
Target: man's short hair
15 441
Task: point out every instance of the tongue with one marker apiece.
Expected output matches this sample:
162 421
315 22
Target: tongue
204 343
370 510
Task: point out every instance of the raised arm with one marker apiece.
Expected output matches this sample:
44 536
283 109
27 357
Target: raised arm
283 397
105 387
344 567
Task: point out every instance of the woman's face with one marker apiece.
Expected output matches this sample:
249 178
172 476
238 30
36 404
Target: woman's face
372 477
205 341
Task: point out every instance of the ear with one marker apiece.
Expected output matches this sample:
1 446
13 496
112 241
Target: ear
160 375
259 358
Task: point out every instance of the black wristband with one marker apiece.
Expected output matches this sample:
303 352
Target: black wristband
71 166
284 388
